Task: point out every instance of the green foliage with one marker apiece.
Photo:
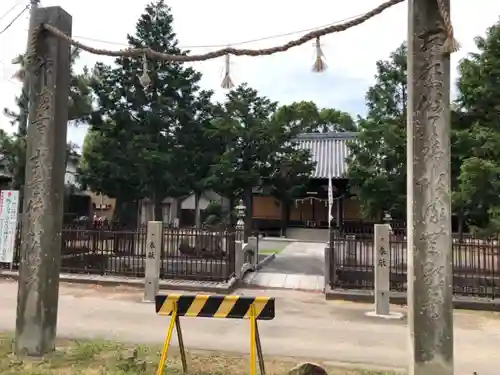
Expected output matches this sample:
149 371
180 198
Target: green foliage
12 153
259 148
378 161
214 214
293 166
142 128
250 139
196 150
311 119
103 166
378 156
80 106
477 139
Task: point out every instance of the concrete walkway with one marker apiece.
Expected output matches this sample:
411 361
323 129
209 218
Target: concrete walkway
305 326
298 266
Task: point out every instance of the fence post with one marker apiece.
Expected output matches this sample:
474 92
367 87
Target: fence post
327 268
153 260
332 265
239 256
381 253
38 294
350 249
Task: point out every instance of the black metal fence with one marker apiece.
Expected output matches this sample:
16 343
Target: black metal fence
476 262
194 254
199 254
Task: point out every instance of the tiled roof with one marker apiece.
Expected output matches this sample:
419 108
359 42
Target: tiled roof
329 151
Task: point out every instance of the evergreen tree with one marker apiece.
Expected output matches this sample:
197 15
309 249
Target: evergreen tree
377 165
311 119
478 133
143 122
260 150
79 109
197 150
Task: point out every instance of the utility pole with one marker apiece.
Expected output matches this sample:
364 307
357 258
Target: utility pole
430 308
38 291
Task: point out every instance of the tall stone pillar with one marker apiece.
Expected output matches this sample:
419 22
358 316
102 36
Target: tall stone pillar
428 187
44 187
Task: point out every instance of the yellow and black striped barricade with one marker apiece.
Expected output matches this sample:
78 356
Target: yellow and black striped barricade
215 306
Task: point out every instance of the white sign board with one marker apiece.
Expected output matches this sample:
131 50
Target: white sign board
9 202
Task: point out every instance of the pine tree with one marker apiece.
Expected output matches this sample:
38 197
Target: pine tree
144 121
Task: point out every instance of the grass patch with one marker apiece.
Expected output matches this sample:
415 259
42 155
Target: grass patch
110 358
270 251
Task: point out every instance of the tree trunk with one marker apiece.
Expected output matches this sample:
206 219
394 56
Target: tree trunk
179 210
248 199
158 207
285 209
460 220
197 212
125 212
230 212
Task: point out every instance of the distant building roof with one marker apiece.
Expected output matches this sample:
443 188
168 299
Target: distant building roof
329 151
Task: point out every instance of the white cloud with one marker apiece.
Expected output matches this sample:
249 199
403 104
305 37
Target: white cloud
285 77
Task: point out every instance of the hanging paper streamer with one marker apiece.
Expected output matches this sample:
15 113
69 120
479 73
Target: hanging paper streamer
330 201
310 200
227 83
144 79
319 62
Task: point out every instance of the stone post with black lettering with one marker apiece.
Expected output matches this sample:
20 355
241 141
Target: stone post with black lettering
382 269
49 70
153 260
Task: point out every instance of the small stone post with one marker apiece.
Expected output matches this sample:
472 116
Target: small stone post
382 269
38 293
153 260
430 269
239 256
381 253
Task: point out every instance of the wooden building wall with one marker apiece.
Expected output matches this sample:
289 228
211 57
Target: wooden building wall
266 207
352 210
269 208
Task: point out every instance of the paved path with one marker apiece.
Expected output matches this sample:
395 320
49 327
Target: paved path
299 266
305 326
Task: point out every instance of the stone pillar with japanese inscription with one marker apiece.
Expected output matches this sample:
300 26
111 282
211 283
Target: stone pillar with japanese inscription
430 274
382 277
49 69
153 260
382 269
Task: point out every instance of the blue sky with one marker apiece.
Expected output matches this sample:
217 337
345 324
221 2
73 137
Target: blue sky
286 77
